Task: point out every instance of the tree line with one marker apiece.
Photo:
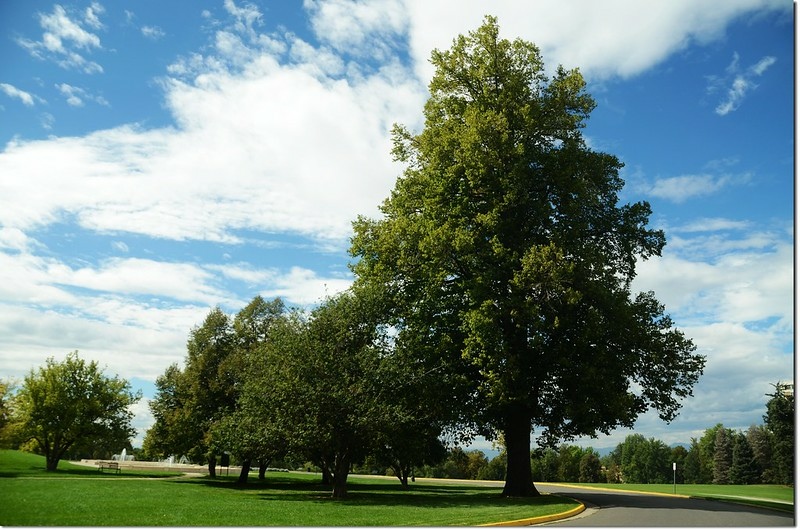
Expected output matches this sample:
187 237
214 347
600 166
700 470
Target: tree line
762 454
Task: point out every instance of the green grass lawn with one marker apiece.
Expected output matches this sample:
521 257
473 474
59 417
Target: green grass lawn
767 495
81 496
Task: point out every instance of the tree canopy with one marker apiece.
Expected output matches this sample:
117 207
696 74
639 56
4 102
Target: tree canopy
71 402
509 261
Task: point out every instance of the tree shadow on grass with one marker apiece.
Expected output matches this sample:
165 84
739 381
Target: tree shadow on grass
389 494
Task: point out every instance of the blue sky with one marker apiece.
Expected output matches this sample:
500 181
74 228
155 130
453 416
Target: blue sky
160 158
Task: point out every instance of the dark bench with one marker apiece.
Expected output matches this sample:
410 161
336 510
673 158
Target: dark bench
109 465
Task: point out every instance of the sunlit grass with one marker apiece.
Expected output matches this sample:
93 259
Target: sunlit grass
79 496
766 495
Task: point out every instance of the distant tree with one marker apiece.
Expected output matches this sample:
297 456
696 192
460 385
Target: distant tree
6 410
692 468
679 455
744 467
545 465
72 402
409 444
644 461
760 440
496 469
723 456
779 420
509 259
569 463
706 446
590 468
476 463
173 432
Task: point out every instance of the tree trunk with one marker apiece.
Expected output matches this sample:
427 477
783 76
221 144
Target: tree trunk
340 471
245 472
519 480
52 462
262 469
212 466
326 475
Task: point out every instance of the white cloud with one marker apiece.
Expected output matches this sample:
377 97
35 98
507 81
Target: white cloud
307 159
605 39
742 280
13 92
63 35
91 15
76 95
685 187
737 84
152 32
736 306
120 246
705 224
359 28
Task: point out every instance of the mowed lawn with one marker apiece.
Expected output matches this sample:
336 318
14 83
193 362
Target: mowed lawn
766 495
80 496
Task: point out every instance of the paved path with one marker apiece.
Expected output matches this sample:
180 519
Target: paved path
612 508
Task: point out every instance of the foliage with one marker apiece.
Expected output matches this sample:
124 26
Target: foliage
723 457
744 467
508 259
71 404
643 461
569 463
7 431
779 421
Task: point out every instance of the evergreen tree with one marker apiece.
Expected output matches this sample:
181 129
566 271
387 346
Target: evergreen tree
760 441
723 457
780 423
692 467
744 468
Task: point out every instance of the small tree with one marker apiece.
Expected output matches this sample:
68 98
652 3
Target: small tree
72 402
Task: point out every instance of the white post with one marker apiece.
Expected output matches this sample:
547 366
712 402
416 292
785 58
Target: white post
674 483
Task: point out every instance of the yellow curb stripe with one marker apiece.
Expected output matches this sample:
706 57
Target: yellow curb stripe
542 518
600 488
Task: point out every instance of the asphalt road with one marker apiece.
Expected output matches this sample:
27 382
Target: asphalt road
611 508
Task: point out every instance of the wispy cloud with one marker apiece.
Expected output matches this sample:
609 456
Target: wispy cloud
714 224
65 40
152 32
715 176
13 92
76 96
737 83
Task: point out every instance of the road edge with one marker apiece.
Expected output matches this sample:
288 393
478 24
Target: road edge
543 518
